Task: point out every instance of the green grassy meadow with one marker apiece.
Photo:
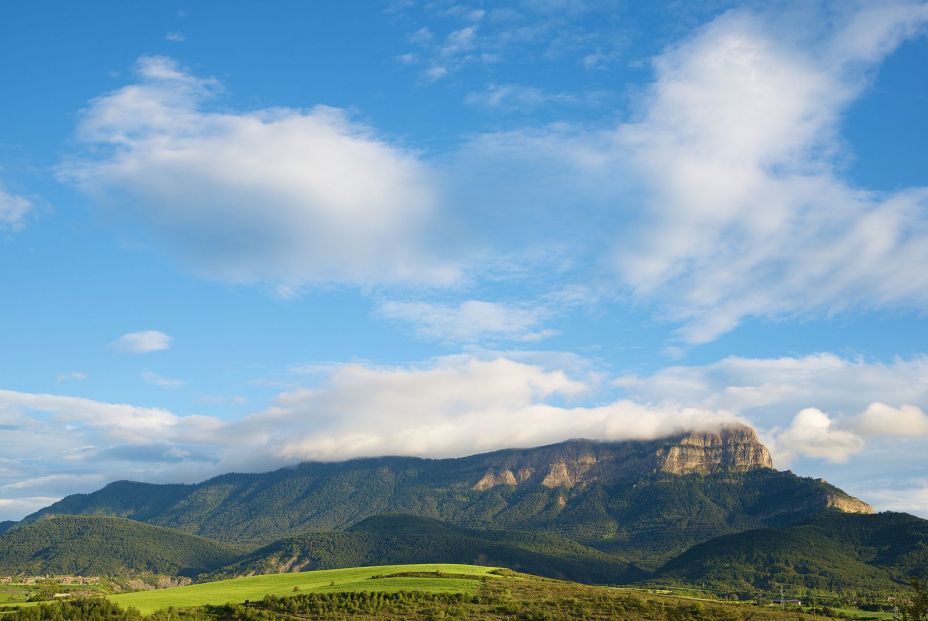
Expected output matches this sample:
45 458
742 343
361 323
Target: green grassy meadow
16 593
324 581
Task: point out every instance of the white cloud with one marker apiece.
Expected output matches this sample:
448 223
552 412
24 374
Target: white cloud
471 320
724 198
290 196
118 421
175 37
149 377
880 419
767 387
460 40
813 433
745 213
456 406
843 416
13 210
143 342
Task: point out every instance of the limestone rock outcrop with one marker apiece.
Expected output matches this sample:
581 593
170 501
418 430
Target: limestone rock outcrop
734 448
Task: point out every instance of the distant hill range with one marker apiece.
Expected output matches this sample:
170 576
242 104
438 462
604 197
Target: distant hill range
593 511
100 546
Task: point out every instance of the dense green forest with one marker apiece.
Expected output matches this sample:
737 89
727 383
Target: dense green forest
392 539
104 546
833 553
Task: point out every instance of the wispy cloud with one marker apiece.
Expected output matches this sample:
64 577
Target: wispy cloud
725 194
746 214
71 376
13 210
149 377
175 37
520 98
471 320
143 342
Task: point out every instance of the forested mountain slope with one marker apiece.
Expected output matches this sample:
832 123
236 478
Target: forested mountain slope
396 539
106 546
649 499
834 552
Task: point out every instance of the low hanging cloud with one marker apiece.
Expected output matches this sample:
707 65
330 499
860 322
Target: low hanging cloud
281 195
451 406
464 404
457 406
839 402
143 342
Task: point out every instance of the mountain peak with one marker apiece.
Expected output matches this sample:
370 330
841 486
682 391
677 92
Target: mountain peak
731 448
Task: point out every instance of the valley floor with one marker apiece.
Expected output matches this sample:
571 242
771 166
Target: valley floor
398 592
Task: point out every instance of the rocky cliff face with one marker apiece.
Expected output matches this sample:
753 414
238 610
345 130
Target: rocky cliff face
847 504
734 448
730 449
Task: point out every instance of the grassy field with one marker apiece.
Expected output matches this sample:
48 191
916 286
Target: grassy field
864 615
405 592
324 581
17 593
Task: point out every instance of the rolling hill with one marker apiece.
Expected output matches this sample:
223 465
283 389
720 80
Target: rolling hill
395 539
97 545
835 552
432 591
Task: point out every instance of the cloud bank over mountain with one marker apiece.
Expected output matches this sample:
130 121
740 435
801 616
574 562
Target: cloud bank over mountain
455 406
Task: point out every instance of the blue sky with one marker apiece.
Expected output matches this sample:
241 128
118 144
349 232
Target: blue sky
235 235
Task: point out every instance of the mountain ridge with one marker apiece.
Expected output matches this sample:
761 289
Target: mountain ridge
650 499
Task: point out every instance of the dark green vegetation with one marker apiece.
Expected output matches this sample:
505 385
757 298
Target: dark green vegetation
503 596
833 553
95 546
915 608
395 539
695 508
